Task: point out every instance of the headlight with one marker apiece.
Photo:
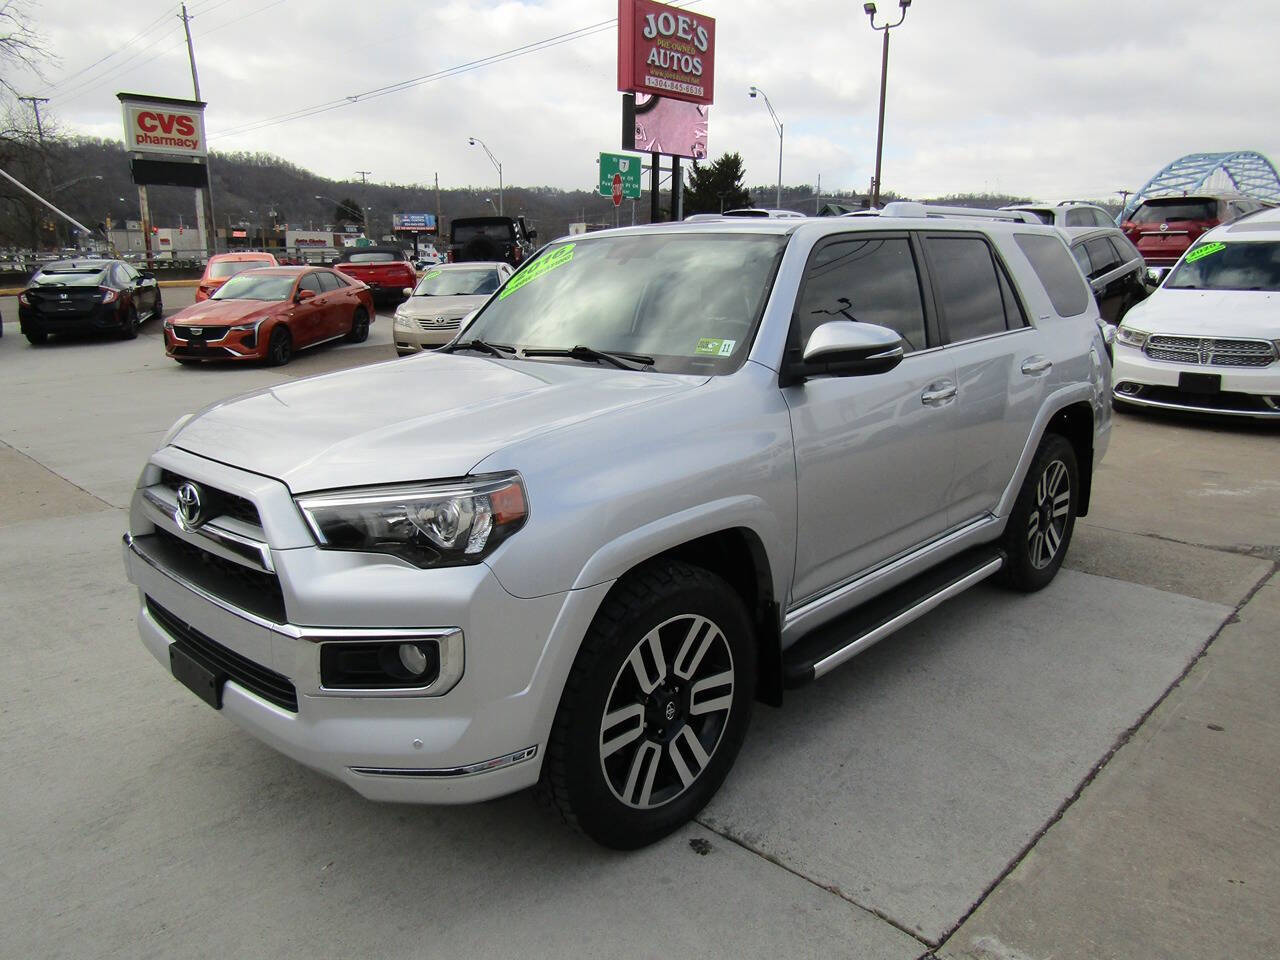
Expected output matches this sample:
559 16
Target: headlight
1130 337
247 326
455 523
402 320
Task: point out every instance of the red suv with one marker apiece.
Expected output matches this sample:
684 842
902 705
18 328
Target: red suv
1162 228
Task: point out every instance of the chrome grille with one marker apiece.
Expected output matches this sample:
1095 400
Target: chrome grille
432 324
221 503
1210 351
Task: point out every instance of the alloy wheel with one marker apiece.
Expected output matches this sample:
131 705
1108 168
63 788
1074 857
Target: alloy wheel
667 711
1048 521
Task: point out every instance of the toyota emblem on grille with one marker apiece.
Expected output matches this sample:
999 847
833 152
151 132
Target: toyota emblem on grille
439 319
190 507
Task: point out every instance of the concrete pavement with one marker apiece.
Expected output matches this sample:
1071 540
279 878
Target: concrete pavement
987 783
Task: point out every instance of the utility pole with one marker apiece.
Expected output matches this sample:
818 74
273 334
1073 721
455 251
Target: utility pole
364 175
817 199
204 198
44 156
439 221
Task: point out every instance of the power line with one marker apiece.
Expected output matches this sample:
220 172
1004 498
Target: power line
523 50
118 50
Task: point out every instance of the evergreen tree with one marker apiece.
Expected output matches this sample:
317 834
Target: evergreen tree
716 186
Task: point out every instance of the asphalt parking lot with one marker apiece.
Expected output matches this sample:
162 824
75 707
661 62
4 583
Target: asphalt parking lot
1085 772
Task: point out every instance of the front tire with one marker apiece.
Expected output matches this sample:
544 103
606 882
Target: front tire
1043 518
655 707
279 347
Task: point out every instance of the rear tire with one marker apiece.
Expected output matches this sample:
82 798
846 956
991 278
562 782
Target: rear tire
359 326
655 707
1043 518
279 347
131 323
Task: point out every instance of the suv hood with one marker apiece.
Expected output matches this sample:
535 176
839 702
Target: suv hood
432 416
1208 313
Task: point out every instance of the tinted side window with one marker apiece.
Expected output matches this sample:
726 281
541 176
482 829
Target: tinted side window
310 282
1079 218
869 279
1102 220
328 281
1052 264
1103 256
968 287
1082 258
1124 249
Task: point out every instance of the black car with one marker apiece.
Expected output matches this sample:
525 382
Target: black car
474 239
1116 272
84 296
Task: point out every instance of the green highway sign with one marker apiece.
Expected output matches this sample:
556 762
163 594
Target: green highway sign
627 167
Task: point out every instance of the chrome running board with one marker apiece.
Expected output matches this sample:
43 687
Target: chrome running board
830 645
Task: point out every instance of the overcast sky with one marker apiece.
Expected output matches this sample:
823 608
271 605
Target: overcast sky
1046 99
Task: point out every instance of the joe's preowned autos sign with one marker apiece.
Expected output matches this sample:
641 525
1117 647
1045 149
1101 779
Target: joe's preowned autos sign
666 51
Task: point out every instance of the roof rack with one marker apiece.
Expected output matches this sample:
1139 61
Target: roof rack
913 210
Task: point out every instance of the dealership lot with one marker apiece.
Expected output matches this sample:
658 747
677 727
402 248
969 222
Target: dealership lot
956 765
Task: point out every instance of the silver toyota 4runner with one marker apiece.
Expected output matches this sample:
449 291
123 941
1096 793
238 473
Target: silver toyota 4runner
571 548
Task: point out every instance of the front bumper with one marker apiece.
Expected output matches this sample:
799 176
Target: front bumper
218 343
412 337
483 738
1246 391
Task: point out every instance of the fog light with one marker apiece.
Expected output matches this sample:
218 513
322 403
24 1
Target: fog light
413 658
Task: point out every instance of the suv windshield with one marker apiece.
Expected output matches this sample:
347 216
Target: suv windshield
229 268
69 278
245 286
1229 266
691 302
457 283
1162 211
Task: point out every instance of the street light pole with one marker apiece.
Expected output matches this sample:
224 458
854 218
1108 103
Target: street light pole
870 10
777 126
494 160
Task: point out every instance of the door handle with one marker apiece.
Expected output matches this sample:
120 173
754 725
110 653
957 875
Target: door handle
1036 365
938 393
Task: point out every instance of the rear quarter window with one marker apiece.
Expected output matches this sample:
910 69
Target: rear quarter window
1057 273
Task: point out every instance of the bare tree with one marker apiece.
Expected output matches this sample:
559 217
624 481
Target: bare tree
21 45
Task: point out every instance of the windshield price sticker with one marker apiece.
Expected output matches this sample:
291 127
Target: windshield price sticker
712 347
1199 253
543 265
432 275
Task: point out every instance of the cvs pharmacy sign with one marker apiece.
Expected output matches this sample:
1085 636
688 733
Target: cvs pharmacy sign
163 125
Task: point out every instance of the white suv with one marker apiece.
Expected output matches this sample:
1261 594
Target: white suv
1208 339
664 472
1068 213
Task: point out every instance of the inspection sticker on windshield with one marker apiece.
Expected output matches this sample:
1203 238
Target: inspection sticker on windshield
711 347
543 265
1199 253
432 275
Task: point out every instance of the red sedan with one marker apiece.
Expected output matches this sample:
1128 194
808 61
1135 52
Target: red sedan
268 314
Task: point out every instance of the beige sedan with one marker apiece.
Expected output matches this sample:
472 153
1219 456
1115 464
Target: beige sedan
445 294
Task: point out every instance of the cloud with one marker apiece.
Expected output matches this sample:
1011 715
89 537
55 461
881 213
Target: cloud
1051 100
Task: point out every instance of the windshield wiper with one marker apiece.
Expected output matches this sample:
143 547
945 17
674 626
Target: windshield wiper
483 346
625 361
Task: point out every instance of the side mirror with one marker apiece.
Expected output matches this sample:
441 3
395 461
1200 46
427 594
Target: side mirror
842 348
407 291
1155 276
302 295
146 275
533 234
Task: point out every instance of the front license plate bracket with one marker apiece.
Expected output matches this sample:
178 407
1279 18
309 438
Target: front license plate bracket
196 677
1205 383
